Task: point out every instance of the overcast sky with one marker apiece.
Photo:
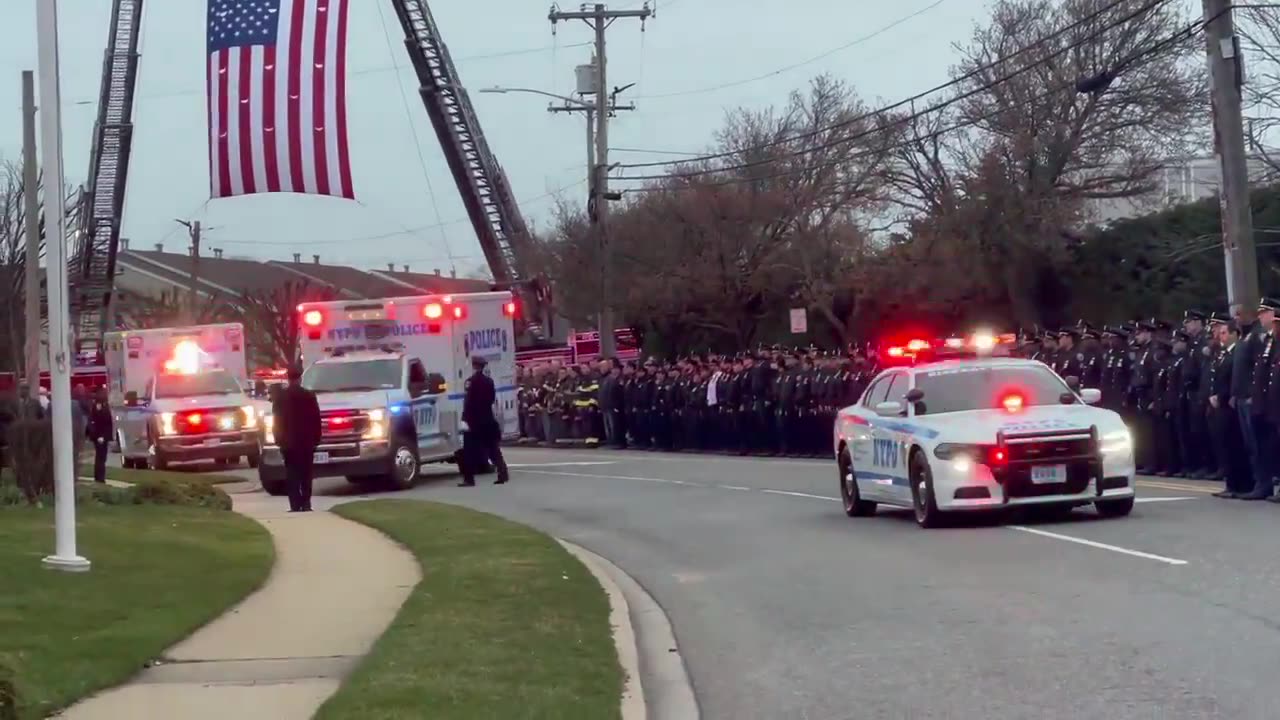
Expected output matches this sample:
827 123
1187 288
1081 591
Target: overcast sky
692 62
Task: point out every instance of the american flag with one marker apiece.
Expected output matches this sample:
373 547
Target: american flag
277 97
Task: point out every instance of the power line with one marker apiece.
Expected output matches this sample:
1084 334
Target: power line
1185 34
919 96
648 151
793 66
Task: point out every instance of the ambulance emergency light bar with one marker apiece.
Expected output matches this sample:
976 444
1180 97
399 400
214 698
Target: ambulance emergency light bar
188 359
444 308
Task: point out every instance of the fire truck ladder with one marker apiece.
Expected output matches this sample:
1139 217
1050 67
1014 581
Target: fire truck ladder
481 181
92 271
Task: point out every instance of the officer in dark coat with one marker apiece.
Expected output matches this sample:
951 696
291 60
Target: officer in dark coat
1142 395
1195 431
482 435
1264 462
100 429
297 431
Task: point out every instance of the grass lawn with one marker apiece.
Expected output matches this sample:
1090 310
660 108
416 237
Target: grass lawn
129 475
159 572
505 624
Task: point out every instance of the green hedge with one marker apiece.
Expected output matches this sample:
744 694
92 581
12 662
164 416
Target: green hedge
188 493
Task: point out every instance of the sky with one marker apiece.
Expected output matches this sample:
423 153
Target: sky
694 60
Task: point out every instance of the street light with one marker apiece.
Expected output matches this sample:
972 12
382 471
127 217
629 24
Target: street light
581 104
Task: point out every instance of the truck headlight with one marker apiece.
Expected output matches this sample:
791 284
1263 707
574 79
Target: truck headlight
166 424
377 429
250 417
1117 442
268 429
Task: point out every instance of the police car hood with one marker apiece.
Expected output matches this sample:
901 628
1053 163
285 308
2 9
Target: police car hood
193 402
981 426
360 400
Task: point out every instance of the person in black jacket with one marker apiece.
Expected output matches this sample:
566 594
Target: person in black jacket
100 430
1258 381
1224 425
296 417
481 433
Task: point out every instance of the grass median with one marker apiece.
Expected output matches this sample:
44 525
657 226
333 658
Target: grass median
134 476
504 624
159 572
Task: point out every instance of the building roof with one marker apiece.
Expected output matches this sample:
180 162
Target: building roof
349 280
432 283
226 274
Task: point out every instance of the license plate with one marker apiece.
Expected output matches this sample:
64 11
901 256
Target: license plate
320 457
1048 474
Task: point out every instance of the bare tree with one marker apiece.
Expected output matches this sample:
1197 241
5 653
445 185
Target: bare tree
1260 28
173 307
271 319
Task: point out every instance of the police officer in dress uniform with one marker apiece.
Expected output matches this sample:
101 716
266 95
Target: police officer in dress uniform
1224 426
1164 391
481 435
1195 431
1141 392
1264 461
297 432
1091 348
1069 357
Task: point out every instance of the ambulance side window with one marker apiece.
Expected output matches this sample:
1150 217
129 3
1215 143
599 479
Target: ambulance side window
417 378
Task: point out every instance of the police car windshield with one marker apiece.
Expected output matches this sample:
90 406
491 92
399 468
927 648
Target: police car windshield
380 374
216 382
986 388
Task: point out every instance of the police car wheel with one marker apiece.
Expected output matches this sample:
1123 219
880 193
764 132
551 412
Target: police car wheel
1114 508
404 466
854 505
922 500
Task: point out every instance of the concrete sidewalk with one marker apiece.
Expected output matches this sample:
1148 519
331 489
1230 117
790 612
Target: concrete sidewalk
285 649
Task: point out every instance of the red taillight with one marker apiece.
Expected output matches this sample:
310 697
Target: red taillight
459 312
312 318
340 420
194 419
509 309
997 456
1012 402
433 311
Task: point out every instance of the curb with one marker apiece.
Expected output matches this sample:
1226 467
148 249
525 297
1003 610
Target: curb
669 694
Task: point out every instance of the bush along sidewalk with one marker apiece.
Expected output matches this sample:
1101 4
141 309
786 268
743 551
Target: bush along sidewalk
158 491
504 624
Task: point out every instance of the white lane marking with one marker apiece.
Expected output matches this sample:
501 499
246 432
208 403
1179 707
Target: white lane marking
734 487
602 477
1162 499
800 494
1098 545
560 464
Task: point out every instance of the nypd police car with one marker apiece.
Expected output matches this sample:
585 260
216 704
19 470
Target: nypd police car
980 435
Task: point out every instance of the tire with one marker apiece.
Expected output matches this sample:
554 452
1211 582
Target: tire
854 505
225 462
157 461
403 472
1114 508
253 461
923 503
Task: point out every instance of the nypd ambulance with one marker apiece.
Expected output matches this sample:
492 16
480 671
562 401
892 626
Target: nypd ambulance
177 395
389 377
979 435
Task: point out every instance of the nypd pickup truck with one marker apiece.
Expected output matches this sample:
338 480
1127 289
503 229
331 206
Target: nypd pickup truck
981 435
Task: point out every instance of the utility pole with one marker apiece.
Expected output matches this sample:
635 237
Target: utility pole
31 212
1226 73
193 229
598 205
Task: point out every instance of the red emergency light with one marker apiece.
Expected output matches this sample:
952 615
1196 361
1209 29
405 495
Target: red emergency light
897 351
433 311
195 419
312 318
1012 402
918 345
509 308
458 311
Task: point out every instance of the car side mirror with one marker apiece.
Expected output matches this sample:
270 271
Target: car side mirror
1091 396
890 408
1073 382
131 398
915 395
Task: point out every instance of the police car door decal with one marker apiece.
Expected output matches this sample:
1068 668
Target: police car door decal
426 418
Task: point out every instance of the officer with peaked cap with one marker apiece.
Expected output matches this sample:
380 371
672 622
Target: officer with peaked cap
1230 458
1091 347
1070 359
1197 452
1264 428
1142 393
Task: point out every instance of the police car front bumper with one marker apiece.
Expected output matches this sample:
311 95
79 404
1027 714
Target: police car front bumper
351 459
960 487
212 446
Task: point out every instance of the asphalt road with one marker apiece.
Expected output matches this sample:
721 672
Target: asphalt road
785 608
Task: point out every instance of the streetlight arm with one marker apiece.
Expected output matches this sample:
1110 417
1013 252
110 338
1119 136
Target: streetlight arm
530 91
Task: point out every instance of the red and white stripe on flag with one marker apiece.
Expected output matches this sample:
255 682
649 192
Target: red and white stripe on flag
277 90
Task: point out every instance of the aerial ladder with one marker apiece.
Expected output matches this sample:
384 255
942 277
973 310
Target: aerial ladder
481 181
93 264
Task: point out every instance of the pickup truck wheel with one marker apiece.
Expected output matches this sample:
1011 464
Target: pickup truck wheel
157 459
404 465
